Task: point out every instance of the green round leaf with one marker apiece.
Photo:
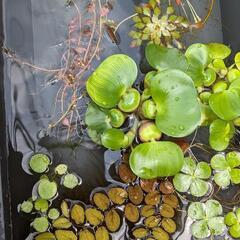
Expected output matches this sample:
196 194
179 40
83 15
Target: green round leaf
129 102
149 109
113 139
233 159
156 159
27 207
226 104
148 131
233 74
199 187
148 77
203 171
238 214
39 162
182 182
162 58
196 211
237 60
178 109
70 181
235 176
40 224
189 166
230 219
213 208
53 213
222 178
221 132
218 50
207 115
210 77
216 225
198 52
218 162
220 86
117 118
200 229
235 231
61 169
47 189
111 79
41 205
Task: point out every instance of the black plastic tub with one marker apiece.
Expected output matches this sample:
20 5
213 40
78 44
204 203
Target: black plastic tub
27 27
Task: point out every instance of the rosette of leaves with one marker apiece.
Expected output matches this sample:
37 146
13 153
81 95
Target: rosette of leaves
227 168
160 26
232 220
193 178
208 219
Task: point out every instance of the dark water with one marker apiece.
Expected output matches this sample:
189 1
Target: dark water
36 30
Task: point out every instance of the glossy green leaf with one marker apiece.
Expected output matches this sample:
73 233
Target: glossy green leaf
213 208
182 182
235 176
221 132
148 131
41 205
218 162
207 115
230 219
196 211
198 187
222 178
235 231
218 50
233 159
237 60
233 74
220 86
39 162
178 109
200 229
226 104
198 52
156 159
113 139
210 77
117 118
202 171
111 79
216 225
149 109
189 166
162 58
70 181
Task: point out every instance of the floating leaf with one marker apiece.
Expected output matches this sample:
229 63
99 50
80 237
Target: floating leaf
113 139
148 131
27 207
45 236
39 162
237 60
41 205
175 95
232 220
70 181
61 169
221 133
47 189
40 224
156 159
117 118
65 235
53 213
111 79
162 58
218 50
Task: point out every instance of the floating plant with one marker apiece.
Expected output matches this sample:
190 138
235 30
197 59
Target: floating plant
232 220
39 162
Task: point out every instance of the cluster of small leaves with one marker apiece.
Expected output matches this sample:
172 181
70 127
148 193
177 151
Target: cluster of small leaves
226 168
157 25
192 178
207 217
232 220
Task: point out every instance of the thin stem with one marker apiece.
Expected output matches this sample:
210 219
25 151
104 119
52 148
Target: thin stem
209 11
124 20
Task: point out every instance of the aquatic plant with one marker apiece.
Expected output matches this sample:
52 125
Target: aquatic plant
208 219
232 220
193 178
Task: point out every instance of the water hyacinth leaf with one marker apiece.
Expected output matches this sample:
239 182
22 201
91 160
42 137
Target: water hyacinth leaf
237 60
202 171
148 131
218 162
213 208
26 207
156 159
40 224
200 229
221 132
226 104
117 118
233 159
233 74
216 225
39 162
47 189
111 79
218 50
198 52
162 58
235 176
222 178
113 139
210 77
196 211
175 95
70 181
182 182
149 109
207 115
198 187
96 118
189 166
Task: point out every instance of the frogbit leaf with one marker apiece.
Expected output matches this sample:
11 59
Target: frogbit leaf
221 132
111 79
162 58
232 220
218 162
189 166
235 176
156 159
233 159
175 95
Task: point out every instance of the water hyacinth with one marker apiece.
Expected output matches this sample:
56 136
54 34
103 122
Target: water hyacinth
158 25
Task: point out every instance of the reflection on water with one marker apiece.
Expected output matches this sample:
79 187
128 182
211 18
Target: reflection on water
36 31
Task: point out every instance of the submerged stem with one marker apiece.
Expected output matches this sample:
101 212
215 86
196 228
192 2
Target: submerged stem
123 21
